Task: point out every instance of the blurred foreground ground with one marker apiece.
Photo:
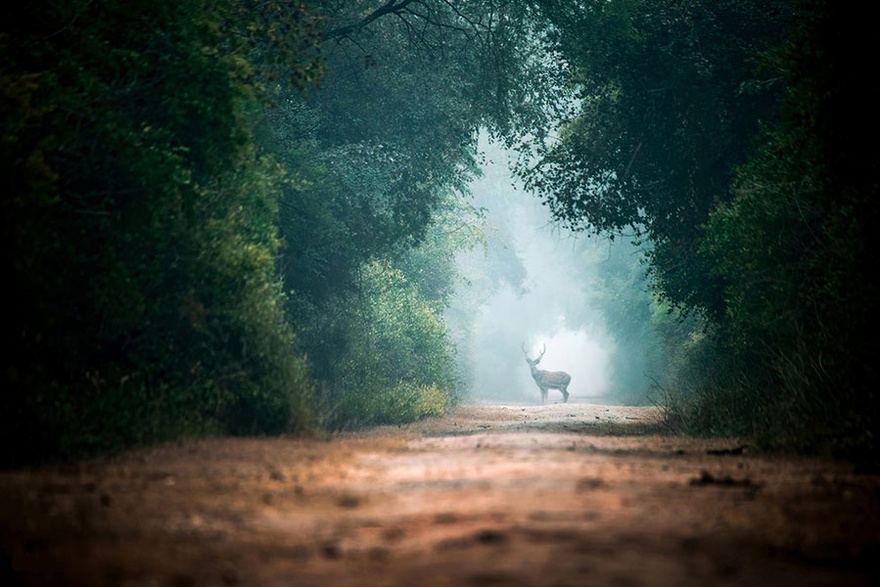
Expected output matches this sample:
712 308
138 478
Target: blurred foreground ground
562 495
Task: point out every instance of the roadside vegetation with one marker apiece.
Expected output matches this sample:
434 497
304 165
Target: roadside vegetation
240 217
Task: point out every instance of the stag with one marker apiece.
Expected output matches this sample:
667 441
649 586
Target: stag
547 380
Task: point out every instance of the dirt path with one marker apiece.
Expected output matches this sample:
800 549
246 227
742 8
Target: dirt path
573 494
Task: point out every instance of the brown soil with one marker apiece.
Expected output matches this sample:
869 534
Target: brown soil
563 494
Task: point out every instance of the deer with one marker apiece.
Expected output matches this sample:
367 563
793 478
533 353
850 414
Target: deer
547 380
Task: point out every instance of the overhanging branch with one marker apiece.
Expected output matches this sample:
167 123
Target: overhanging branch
390 7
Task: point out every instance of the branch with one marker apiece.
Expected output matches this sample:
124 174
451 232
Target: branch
390 7
470 27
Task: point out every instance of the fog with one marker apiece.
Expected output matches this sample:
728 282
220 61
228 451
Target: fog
532 285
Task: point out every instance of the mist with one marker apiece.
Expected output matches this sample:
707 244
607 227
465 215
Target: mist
532 286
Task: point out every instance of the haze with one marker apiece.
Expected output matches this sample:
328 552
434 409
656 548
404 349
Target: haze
541 299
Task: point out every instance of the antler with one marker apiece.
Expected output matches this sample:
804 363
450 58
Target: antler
526 353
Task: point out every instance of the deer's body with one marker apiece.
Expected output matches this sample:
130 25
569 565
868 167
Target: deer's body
547 380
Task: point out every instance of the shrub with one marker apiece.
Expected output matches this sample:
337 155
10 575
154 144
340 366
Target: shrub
397 364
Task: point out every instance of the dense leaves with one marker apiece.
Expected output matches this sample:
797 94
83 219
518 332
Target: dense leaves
379 159
796 247
187 184
663 117
736 139
397 365
138 232
179 196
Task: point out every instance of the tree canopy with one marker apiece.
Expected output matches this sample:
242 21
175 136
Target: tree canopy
189 184
138 231
732 137
669 99
240 217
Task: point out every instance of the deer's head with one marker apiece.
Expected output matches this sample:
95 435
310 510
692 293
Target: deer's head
533 363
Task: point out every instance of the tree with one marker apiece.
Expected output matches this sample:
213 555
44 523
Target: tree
662 119
398 364
796 245
138 226
381 154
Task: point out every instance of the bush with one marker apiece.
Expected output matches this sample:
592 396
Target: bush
795 248
395 363
138 225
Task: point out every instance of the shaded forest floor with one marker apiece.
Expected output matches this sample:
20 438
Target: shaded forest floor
562 494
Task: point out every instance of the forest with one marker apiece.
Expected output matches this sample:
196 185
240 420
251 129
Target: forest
240 217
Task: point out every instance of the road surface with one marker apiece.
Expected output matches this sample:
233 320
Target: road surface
556 495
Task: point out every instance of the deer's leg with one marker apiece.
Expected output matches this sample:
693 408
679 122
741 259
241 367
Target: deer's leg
564 391
543 395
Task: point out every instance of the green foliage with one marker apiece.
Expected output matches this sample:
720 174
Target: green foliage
701 387
662 354
400 404
392 130
139 233
178 201
795 248
462 64
338 214
432 266
398 363
624 298
378 159
661 121
757 190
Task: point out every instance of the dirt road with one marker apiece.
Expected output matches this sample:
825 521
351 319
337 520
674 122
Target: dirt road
563 495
